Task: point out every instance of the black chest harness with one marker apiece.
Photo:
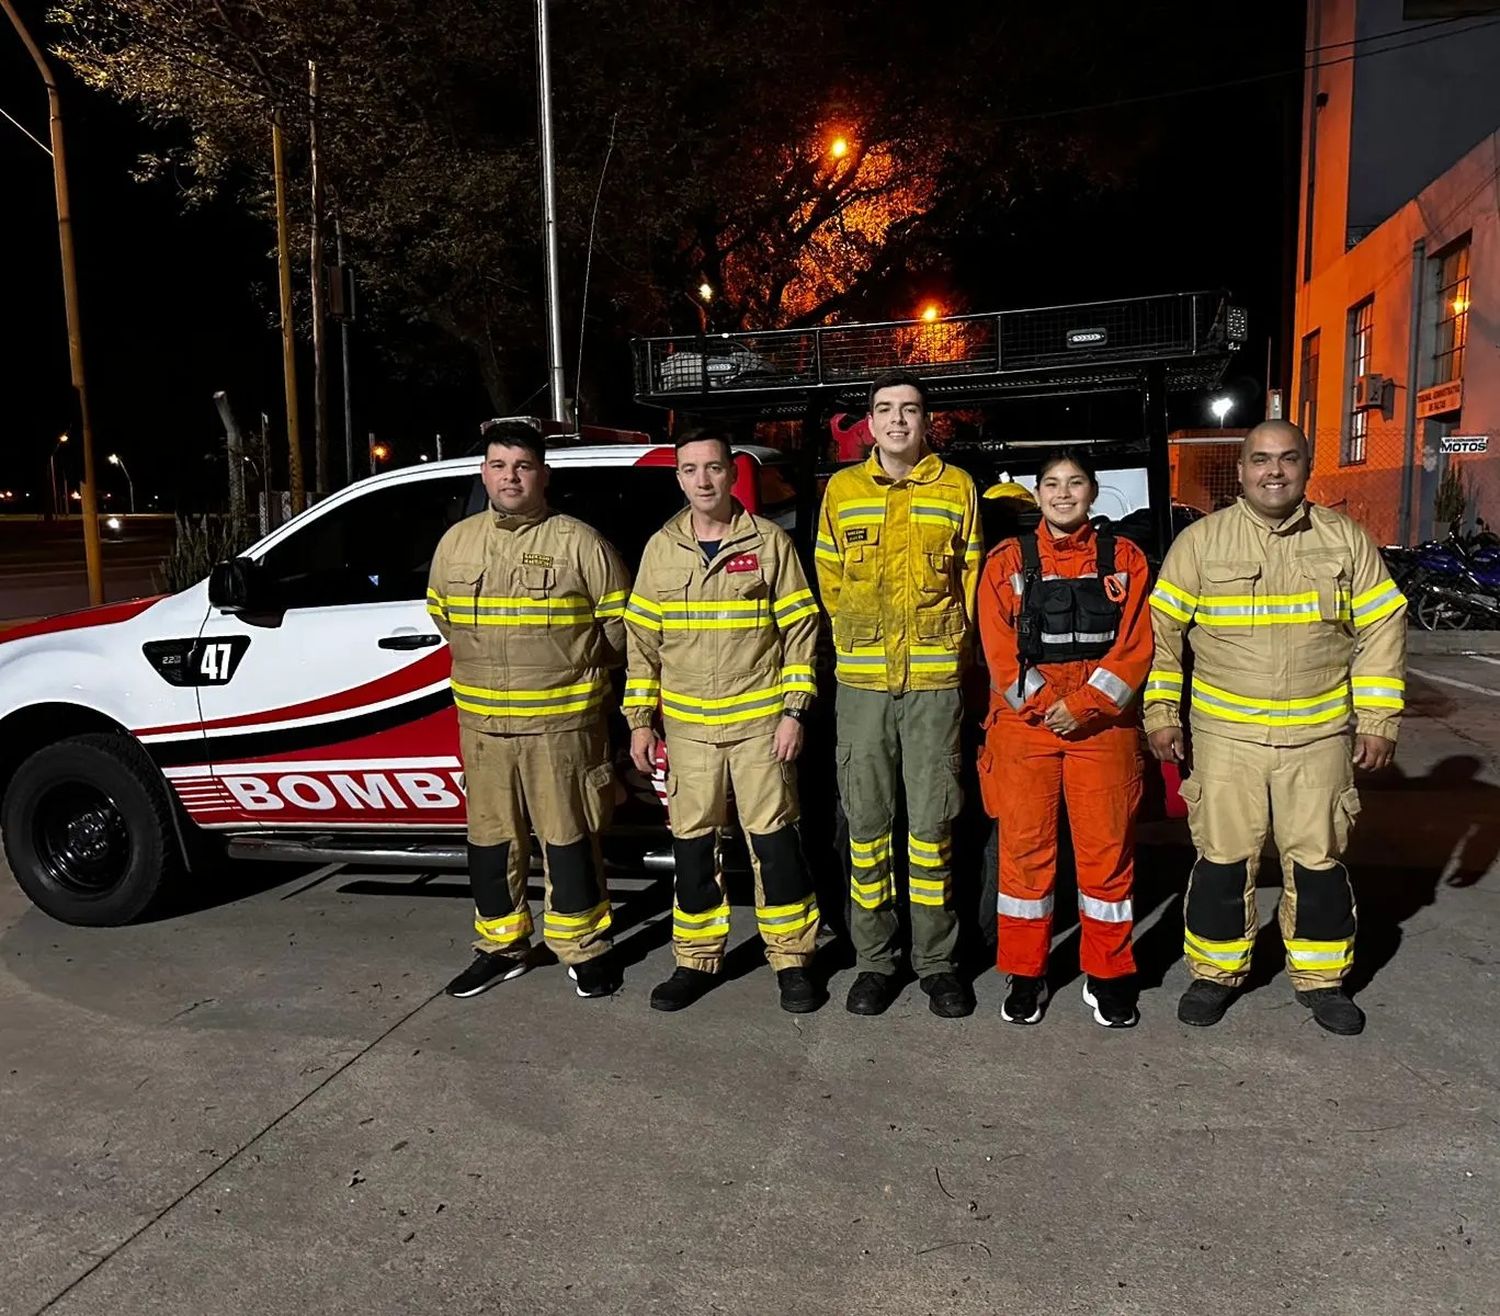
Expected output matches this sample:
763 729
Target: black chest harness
1065 618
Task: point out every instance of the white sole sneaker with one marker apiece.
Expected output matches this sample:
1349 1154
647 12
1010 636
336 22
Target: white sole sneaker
520 968
1035 1017
1090 1000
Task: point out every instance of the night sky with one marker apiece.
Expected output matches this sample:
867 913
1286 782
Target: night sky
177 305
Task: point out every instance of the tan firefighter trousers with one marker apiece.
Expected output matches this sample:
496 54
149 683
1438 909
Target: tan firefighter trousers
1302 796
701 778
559 785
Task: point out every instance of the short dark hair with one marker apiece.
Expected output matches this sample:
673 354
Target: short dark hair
1077 456
514 434
705 434
895 379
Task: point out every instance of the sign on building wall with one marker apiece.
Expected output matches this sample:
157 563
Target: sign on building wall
1465 443
1440 399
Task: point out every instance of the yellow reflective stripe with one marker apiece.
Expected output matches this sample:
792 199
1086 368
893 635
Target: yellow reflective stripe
826 554
1310 711
871 895
729 701
721 712
707 926
792 600
1162 687
1166 597
863 656
642 693
530 703
1230 956
928 854
783 919
506 929
1312 955
1379 692
922 891
642 612
610 606
570 927
862 511
880 843
1374 613
806 610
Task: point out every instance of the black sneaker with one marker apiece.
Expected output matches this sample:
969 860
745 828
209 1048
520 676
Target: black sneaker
1333 1010
947 997
595 977
488 968
1024 1002
683 988
872 993
1112 1000
798 994
1204 1003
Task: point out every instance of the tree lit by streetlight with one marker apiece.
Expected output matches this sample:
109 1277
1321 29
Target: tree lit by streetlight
839 148
931 311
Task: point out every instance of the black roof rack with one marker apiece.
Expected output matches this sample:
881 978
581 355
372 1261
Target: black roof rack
964 360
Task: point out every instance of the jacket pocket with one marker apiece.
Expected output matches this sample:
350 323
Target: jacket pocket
989 783
1329 576
597 788
1229 595
944 626
851 632
463 587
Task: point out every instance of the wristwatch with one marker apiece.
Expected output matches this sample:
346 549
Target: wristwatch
796 714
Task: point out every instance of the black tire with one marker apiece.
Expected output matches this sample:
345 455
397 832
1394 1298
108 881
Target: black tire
1435 613
88 830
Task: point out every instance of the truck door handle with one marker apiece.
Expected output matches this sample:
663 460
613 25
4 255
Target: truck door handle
411 640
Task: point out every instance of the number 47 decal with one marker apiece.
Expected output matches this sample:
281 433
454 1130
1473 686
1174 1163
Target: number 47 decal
216 660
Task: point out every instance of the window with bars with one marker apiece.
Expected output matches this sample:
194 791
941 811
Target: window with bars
1361 344
1452 313
1307 398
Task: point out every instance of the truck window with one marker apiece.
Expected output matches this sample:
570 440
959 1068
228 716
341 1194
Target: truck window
375 548
625 504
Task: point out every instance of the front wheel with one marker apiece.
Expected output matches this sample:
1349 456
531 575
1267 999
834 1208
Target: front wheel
88 830
1435 613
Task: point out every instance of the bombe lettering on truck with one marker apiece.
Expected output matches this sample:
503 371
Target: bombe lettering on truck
326 791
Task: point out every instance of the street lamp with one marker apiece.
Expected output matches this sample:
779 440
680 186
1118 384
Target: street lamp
706 291
378 453
1221 407
839 148
931 311
58 499
114 460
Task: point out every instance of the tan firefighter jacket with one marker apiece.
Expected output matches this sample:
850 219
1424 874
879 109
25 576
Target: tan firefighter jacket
1292 628
725 645
898 566
532 608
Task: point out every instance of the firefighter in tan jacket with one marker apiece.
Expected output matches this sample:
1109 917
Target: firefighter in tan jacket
722 629
1298 639
532 604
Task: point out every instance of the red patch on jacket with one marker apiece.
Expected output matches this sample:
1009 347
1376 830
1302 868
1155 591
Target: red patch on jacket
743 562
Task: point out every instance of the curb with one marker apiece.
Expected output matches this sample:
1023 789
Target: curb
1422 643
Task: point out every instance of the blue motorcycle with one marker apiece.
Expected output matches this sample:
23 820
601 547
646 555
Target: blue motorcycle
1451 584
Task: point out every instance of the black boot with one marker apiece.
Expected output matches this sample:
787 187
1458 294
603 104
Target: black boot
1334 1011
947 996
872 993
683 988
1204 1003
798 993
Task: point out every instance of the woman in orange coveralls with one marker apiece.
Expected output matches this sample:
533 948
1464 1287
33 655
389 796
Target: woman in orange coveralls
1064 724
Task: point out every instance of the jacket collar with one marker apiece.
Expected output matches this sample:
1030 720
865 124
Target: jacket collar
505 521
742 532
924 472
1293 521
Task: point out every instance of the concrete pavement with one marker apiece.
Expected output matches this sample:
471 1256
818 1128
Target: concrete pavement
265 1105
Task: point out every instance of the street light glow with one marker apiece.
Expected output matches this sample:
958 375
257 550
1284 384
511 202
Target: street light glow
839 148
380 452
706 291
931 311
114 459
1221 407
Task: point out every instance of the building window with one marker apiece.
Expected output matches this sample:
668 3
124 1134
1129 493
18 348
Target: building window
1361 341
1452 314
1307 399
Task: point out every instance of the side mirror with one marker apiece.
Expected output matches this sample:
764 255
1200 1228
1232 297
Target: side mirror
238 585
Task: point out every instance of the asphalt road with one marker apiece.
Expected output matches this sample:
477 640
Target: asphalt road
266 1105
42 566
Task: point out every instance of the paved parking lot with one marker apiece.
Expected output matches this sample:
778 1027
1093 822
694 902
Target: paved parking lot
265 1104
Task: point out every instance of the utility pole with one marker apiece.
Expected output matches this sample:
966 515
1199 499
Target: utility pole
294 479
320 372
346 296
549 218
93 560
236 453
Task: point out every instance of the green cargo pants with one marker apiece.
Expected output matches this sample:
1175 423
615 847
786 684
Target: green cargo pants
914 735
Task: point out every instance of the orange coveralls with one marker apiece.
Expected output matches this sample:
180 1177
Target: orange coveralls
1025 769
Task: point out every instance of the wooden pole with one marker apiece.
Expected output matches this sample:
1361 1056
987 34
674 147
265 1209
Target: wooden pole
320 369
295 484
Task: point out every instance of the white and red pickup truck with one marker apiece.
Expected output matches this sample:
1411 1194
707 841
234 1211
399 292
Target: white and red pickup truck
318 727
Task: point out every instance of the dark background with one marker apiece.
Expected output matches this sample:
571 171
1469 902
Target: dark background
177 304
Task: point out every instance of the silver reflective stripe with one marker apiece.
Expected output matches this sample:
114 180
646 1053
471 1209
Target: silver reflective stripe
1379 601
1078 637
1317 956
1106 911
1082 575
1333 702
679 704
1113 688
1230 959
865 660
1014 908
1207 608
1379 692
1018 584
1015 698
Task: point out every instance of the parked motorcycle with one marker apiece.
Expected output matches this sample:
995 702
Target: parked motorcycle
1450 584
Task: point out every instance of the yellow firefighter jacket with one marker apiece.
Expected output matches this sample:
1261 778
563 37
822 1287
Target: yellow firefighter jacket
898 566
725 645
1291 628
533 609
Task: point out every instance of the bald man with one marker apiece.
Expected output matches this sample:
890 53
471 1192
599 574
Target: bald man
1298 640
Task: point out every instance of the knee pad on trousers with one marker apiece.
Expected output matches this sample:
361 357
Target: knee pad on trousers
697 892
489 879
1325 903
570 868
1216 900
783 872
